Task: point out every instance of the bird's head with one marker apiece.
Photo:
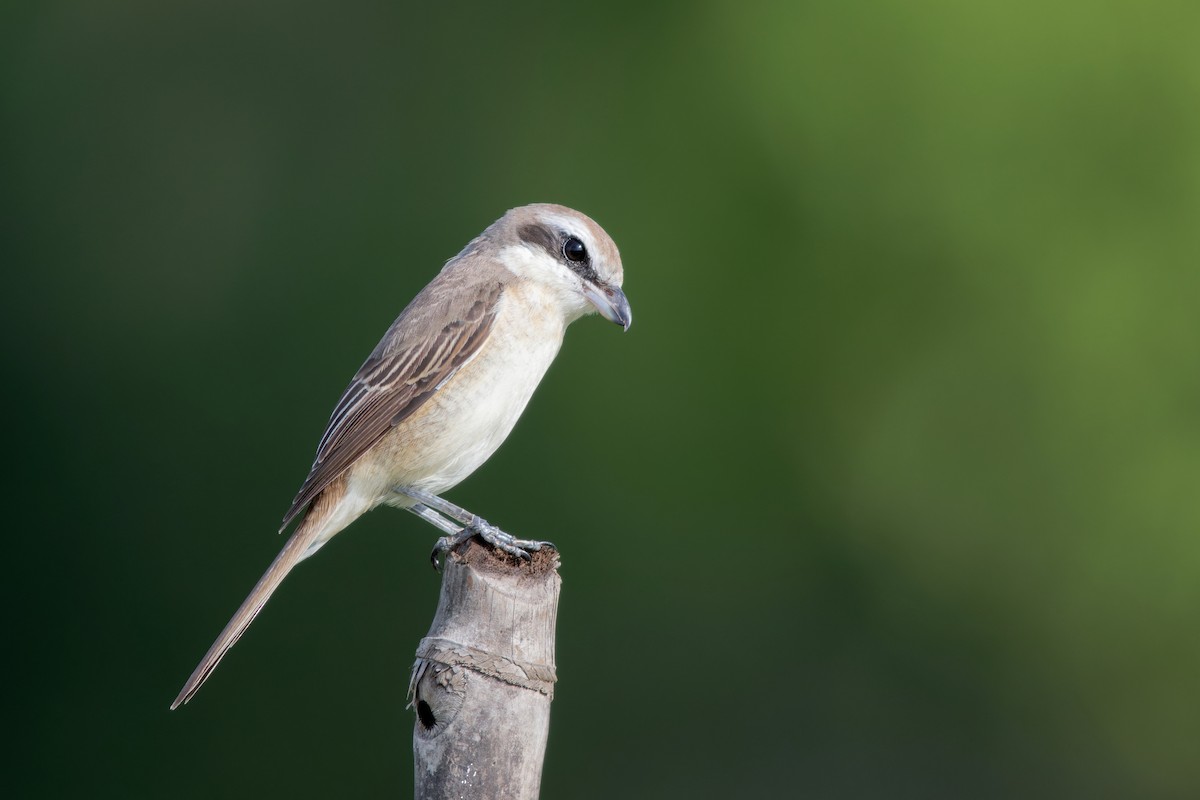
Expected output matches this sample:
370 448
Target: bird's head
570 254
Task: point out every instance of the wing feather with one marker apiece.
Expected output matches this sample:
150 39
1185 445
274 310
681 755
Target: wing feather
420 352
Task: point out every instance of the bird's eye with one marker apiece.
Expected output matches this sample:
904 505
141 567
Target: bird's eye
574 250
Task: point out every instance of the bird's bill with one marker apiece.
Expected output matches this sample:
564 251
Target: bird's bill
610 302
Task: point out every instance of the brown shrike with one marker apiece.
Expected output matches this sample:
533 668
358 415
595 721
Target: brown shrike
444 387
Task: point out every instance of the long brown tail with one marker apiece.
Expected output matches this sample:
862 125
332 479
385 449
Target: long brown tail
321 523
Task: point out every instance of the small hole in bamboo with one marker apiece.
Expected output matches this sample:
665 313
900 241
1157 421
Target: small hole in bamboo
425 714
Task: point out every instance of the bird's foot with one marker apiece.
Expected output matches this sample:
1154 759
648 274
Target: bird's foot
521 548
477 526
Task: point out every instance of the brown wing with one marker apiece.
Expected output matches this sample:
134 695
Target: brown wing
431 340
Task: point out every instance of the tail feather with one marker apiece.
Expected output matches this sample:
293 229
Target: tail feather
318 526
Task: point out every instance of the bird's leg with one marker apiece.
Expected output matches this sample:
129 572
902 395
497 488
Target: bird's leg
434 510
435 519
452 531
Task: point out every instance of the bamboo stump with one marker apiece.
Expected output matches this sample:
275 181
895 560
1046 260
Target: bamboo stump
484 677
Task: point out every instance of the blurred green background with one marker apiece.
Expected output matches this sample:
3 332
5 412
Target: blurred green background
890 491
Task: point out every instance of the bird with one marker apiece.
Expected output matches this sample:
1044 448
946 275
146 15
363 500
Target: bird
444 388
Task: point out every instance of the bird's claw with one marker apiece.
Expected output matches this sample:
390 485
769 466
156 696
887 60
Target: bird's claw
506 542
520 548
441 546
